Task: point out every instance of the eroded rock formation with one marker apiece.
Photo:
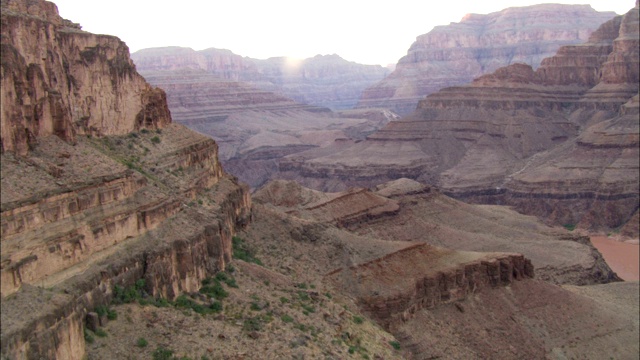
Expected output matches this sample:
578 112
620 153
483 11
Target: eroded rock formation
50 72
98 187
405 211
559 142
254 127
324 80
449 303
457 53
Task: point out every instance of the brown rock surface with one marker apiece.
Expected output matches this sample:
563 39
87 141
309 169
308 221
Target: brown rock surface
559 142
81 214
533 320
457 53
47 93
446 303
414 213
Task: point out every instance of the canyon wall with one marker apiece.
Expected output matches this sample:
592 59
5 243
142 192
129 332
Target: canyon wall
457 53
50 72
255 128
99 188
324 80
559 142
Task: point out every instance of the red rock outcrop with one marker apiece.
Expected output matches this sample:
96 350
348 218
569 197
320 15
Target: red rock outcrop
394 287
47 92
136 198
457 53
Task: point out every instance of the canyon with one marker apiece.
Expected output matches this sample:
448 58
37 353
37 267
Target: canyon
457 53
254 127
323 81
123 235
560 142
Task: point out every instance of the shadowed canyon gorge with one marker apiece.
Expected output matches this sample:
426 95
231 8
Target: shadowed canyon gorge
372 223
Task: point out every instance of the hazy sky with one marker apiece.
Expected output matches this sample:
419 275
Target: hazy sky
367 31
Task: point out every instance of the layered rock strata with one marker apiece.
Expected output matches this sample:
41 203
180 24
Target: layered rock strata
393 288
457 53
324 80
255 128
407 212
569 128
135 197
50 72
449 303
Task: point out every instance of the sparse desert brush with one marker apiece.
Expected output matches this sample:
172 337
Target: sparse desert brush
142 342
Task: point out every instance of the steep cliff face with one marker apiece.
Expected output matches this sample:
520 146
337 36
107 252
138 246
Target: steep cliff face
324 80
395 287
479 44
135 197
50 71
480 141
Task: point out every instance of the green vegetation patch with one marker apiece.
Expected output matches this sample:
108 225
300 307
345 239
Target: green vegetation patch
242 251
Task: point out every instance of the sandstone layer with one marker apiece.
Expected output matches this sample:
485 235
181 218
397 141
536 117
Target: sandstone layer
119 196
255 128
560 142
324 80
457 53
51 72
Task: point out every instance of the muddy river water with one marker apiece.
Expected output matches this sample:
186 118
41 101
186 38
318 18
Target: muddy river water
622 257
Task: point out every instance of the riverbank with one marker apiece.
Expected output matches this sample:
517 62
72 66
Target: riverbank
622 257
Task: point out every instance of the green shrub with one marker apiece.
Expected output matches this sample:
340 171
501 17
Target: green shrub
102 310
112 314
242 251
128 295
395 344
155 140
286 318
88 338
569 227
308 308
142 342
216 306
252 324
215 290
358 319
184 302
101 333
160 353
303 295
221 276
231 283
